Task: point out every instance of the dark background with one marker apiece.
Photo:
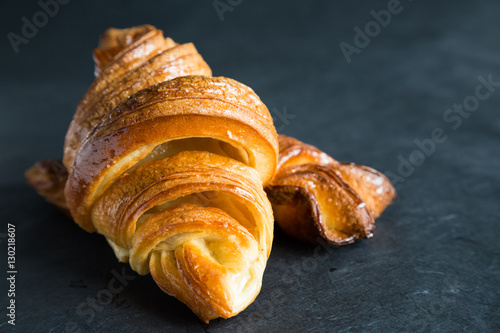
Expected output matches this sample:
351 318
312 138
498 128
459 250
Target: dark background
433 264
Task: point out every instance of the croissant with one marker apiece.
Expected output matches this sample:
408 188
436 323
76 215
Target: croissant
169 164
316 197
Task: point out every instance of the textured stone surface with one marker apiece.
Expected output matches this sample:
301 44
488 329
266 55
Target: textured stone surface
433 264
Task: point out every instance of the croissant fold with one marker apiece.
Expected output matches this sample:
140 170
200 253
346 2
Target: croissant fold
316 197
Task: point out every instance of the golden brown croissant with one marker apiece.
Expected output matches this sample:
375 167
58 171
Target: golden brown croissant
314 196
169 165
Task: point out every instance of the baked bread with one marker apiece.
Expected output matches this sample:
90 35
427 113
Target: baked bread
169 163
315 197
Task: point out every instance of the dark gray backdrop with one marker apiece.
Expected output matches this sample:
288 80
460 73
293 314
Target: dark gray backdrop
433 264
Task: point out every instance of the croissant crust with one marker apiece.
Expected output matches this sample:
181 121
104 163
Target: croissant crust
316 197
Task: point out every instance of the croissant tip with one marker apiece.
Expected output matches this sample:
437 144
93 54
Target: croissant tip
357 193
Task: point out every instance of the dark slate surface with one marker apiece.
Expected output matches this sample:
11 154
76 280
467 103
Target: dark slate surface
433 264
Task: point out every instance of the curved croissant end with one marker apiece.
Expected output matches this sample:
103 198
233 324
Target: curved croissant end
113 41
214 265
313 195
199 222
173 178
48 178
127 61
311 201
372 186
